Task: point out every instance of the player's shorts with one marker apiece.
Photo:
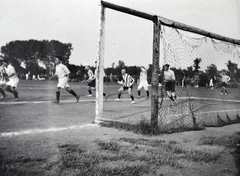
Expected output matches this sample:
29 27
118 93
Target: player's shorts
2 82
143 84
126 87
63 82
224 84
12 82
92 83
170 86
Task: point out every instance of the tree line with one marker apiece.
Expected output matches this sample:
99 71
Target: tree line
38 58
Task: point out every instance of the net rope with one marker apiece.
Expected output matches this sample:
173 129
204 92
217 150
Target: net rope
197 103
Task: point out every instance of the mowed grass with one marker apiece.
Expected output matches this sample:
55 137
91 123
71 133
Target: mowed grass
112 156
123 156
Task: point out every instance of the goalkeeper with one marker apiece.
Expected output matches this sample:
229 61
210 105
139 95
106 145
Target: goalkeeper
169 79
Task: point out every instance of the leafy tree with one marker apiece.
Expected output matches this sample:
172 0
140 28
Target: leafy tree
211 71
196 64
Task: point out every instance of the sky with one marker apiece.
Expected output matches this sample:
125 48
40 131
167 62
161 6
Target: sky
128 38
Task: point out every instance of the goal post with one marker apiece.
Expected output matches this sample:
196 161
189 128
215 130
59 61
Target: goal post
158 24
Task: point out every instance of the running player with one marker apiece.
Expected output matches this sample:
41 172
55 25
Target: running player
2 79
92 81
62 72
143 82
11 79
169 79
127 82
225 79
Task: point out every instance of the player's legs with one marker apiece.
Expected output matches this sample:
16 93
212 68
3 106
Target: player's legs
3 93
168 90
73 93
119 93
139 89
130 93
57 96
146 88
11 87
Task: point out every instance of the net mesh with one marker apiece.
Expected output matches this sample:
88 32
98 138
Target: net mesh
198 63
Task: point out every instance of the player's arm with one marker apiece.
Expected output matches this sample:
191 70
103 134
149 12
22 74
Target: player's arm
131 80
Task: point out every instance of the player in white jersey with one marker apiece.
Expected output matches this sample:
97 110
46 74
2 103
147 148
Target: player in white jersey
127 82
169 79
92 81
2 79
225 79
62 72
11 79
143 82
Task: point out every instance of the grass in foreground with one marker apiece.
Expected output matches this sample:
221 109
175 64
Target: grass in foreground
128 156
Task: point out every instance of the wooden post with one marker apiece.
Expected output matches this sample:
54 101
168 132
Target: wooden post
100 68
155 72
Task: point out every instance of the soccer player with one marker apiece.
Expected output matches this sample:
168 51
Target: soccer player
169 78
62 72
11 79
127 82
92 81
143 82
225 79
2 79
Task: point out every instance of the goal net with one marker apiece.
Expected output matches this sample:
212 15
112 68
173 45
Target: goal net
207 74
206 84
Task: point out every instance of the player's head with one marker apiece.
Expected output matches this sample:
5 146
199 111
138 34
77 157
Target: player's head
166 67
58 59
87 67
123 71
143 68
5 62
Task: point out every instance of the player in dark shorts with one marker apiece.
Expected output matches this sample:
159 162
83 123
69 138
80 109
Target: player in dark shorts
169 78
127 82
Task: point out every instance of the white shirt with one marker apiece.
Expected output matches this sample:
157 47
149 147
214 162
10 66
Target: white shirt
143 76
169 75
91 75
61 71
10 70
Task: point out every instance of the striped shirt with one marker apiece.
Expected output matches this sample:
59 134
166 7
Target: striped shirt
225 78
127 80
2 71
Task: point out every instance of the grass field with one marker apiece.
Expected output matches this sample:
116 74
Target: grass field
41 138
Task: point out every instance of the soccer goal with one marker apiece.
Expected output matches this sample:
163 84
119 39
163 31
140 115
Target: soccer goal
205 66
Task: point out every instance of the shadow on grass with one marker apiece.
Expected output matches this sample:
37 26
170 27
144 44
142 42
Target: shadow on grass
144 127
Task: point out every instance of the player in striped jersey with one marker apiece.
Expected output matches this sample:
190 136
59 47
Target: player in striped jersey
2 79
127 82
225 79
143 82
92 81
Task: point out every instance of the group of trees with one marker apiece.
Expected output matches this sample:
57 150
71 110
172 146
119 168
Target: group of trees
32 52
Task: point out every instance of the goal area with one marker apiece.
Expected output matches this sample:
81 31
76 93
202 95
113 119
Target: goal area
205 65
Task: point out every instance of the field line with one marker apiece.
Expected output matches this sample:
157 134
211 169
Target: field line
126 99
46 130
47 101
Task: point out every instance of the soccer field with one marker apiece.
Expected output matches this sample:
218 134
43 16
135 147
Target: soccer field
35 112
